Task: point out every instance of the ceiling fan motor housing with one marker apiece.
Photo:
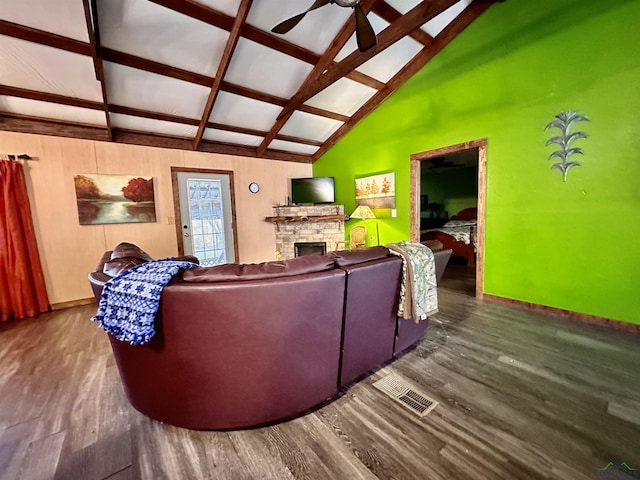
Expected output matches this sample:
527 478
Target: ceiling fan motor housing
347 3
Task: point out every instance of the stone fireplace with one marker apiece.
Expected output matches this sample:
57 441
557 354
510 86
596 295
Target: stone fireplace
313 224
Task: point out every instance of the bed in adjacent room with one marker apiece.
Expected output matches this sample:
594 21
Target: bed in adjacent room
458 234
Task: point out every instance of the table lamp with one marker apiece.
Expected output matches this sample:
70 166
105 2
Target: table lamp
363 212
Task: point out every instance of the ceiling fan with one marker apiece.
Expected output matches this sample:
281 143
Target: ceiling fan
365 35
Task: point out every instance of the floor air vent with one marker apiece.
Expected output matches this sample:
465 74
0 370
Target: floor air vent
398 389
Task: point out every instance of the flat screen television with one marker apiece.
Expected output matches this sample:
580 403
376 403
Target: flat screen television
313 190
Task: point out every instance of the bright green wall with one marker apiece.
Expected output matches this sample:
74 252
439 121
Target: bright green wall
567 245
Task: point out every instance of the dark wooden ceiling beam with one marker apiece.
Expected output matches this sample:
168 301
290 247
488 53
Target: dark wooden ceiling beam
260 133
198 11
229 48
319 67
323 113
210 146
133 137
45 38
235 129
58 128
459 24
138 112
229 149
276 43
286 156
471 13
253 94
365 80
303 141
391 15
90 14
49 97
152 66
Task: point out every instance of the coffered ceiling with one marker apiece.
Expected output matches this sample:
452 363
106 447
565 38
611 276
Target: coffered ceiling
209 75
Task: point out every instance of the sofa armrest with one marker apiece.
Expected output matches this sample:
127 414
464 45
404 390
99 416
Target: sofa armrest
188 258
97 281
441 258
106 256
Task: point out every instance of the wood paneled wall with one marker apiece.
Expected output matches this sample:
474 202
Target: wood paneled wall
70 251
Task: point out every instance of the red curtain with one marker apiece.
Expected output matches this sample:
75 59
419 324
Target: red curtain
22 288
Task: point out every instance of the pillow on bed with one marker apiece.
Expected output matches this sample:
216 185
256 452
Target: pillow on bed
461 223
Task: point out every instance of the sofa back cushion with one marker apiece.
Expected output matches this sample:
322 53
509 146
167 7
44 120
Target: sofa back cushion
344 258
118 265
125 249
257 271
124 256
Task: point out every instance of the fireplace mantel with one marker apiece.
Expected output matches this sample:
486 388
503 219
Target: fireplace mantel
307 218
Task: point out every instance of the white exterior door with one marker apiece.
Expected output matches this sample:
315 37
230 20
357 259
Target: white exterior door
207 220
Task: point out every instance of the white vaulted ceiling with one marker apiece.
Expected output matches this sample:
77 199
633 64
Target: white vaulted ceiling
209 75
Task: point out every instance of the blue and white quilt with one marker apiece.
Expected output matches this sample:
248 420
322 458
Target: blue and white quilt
130 301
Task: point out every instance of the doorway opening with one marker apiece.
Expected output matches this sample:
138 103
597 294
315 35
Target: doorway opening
205 215
448 191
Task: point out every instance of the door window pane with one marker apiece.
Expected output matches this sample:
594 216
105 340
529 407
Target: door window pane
207 220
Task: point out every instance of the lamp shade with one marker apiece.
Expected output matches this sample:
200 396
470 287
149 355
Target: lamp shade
362 212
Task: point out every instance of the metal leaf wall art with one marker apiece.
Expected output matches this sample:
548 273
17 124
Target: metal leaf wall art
564 121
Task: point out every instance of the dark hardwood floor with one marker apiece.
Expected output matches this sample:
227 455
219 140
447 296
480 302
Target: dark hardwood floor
521 396
459 277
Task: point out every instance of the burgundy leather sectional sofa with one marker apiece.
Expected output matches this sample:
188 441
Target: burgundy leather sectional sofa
246 345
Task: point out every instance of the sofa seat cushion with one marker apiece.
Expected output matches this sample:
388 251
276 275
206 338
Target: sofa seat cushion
344 258
257 271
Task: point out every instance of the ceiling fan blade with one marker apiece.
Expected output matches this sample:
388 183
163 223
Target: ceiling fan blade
285 26
365 35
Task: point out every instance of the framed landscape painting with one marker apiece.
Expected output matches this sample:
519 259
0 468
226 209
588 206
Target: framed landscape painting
114 199
376 191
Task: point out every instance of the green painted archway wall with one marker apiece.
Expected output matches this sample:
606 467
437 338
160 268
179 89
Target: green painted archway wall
570 245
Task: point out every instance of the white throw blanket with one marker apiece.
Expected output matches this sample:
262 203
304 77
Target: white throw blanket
418 289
